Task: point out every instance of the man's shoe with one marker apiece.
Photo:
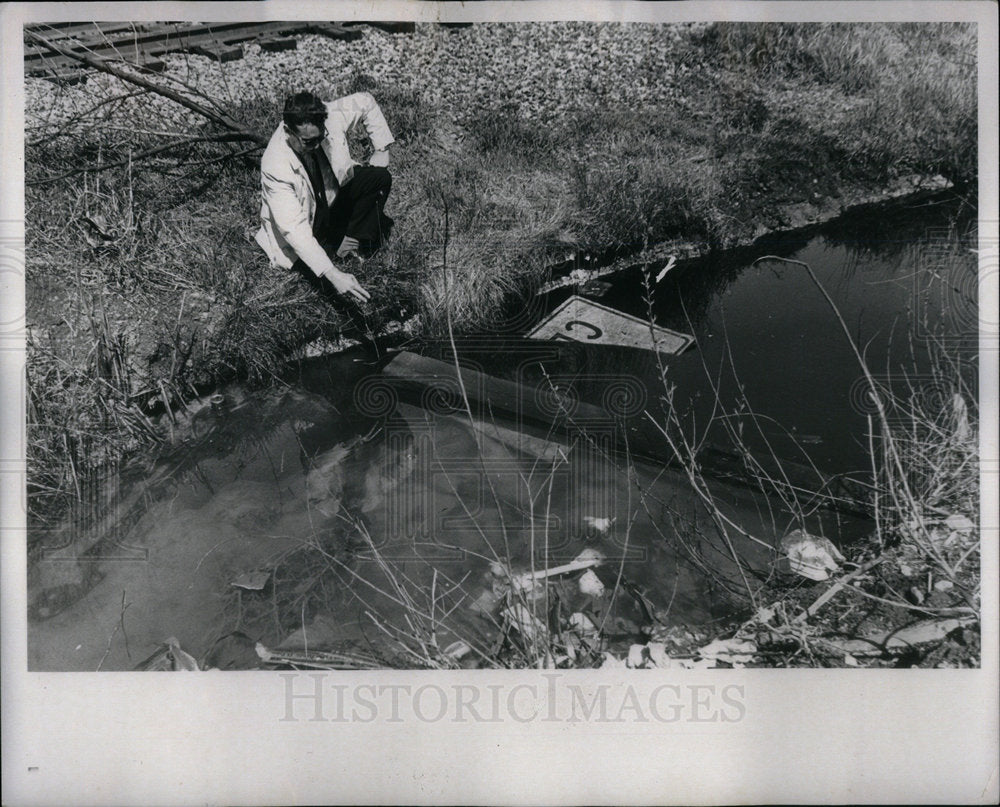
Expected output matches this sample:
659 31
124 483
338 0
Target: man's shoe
347 246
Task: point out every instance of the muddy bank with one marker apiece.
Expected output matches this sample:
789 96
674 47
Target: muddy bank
789 217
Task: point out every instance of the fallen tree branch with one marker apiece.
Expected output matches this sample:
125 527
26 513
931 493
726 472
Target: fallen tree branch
231 156
105 66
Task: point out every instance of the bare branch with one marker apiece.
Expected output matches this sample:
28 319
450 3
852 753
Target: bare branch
230 156
220 119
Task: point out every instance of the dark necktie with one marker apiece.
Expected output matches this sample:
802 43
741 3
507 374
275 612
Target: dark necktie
311 161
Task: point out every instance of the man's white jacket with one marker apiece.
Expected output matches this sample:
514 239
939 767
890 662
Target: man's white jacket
288 202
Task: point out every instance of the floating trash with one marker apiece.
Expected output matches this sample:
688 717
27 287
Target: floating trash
600 526
663 272
811 556
252 581
590 584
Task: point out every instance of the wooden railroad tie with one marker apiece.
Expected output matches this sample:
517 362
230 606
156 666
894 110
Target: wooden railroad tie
142 43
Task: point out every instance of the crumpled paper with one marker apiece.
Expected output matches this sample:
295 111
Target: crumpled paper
810 555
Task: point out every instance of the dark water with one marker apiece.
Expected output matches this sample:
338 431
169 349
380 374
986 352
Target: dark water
287 480
773 345
770 353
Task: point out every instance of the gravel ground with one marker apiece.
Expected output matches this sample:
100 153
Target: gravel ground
544 69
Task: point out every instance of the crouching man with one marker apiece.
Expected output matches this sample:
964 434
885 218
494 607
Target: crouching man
319 207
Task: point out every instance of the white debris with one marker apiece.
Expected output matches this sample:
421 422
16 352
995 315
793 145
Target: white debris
526 623
960 524
599 525
663 272
182 661
457 650
960 412
585 560
811 556
613 663
252 581
658 655
582 623
636 657
591 584
730 651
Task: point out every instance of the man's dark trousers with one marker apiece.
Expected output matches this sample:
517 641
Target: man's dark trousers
359 211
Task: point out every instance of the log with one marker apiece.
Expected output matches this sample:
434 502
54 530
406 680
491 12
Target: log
487 394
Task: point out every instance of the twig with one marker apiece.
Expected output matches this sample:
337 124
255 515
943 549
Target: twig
120 626
836 588
926 545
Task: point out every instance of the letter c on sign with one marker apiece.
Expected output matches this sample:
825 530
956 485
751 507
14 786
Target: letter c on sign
597 332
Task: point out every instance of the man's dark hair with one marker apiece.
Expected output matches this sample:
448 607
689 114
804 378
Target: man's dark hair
301 108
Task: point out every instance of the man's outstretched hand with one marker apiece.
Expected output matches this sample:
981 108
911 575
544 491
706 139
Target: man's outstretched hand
347 285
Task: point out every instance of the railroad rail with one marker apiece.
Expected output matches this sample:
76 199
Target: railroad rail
143 43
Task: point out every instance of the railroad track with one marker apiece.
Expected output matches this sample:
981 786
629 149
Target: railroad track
143 43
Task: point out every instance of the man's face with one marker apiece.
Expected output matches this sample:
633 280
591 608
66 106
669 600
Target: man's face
306 137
